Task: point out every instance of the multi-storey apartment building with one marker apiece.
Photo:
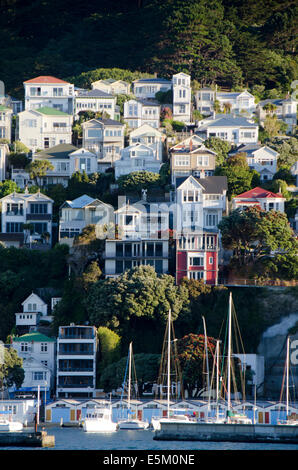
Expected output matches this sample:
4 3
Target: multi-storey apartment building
47 91
181 97
76 361
26 218
105 138
44 127
77 214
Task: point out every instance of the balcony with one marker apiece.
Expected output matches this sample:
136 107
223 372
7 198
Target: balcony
38 216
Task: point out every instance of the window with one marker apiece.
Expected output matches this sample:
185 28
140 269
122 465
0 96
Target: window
38 208
119 249
196 261
14 227
196 275
202 160
211 220
38 375
210 260
182 160
43 347
24 347
94 133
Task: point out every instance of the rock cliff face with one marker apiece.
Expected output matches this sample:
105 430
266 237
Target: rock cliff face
273 347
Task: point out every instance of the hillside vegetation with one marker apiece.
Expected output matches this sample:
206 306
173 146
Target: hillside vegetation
234 43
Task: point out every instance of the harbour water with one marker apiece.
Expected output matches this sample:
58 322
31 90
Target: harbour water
128 440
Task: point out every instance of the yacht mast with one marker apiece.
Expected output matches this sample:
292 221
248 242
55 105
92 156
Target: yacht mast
169 362
287 376
229 351
129 375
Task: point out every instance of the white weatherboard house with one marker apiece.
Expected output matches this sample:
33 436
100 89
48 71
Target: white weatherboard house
77 214
38 353
95 100
105 138
34 310
261 158
50 92
25 208
5 122
137 157
4 151
66 160
241 102
139 240
137 113
265 200
112 87
284 109
181 97
44 127
149 136
146 88
234 129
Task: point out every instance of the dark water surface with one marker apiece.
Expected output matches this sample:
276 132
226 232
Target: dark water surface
77 439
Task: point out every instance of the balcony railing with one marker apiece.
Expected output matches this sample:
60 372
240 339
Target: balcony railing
76 353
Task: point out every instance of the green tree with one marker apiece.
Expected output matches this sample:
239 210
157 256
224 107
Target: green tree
138 300
220 147
192 359
8 187
11 372
138 180
109 346
238 174
18 160
38 169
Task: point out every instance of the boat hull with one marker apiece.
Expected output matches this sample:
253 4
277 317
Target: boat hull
11 426
133 424
97 426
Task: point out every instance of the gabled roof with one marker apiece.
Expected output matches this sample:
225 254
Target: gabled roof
33 295
35 336
42 79
56 152
258 193
83 201
104 122
153 80
95 93
228 120
210 184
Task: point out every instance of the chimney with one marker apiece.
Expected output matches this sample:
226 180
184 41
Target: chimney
190 145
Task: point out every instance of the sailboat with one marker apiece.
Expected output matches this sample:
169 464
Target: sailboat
289 421
171 415
131 423
232 417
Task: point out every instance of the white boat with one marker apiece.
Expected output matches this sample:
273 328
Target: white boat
175 418
11 426
131 423
99 420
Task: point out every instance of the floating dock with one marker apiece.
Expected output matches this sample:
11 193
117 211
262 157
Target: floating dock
26 439
227 432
